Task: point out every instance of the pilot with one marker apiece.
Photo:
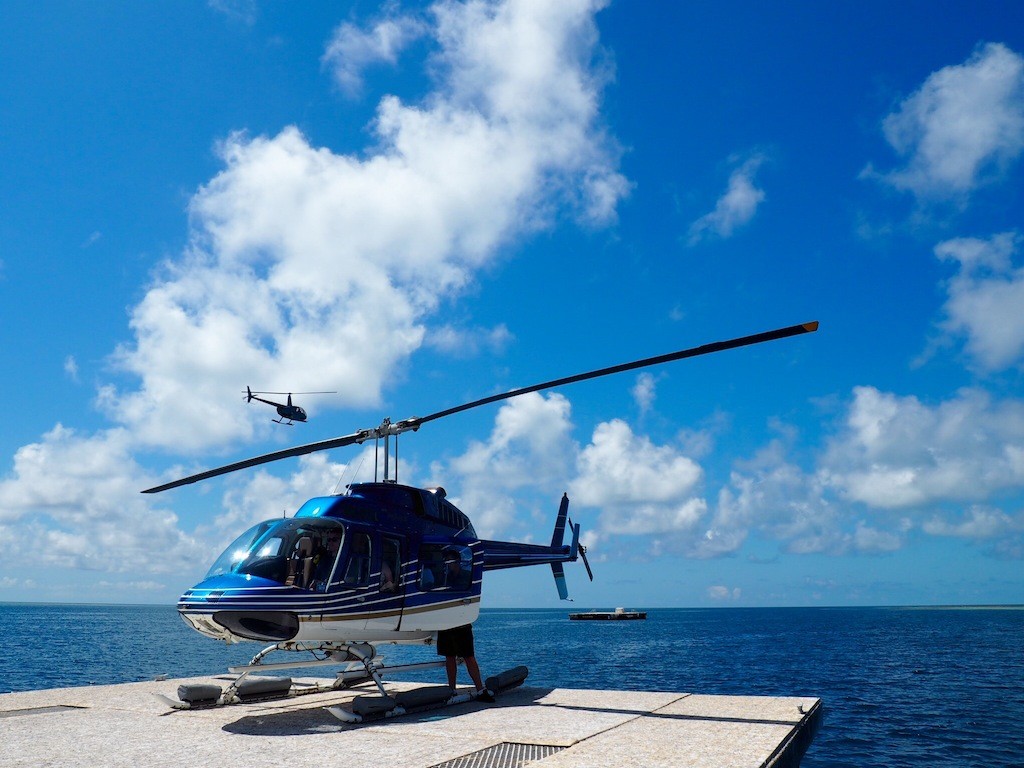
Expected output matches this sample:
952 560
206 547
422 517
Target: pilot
325 559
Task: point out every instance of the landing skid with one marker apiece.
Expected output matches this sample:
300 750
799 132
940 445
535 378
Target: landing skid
360 664
369 708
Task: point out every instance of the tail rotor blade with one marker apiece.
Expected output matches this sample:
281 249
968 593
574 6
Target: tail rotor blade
586 563
582 551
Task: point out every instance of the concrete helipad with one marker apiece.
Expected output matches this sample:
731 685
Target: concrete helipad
124 725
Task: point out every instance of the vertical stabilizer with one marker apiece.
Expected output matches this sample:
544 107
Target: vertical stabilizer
563 512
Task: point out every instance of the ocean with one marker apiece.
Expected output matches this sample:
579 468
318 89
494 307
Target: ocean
900 686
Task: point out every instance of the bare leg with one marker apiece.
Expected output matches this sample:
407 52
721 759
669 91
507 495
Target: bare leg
474 672
451 666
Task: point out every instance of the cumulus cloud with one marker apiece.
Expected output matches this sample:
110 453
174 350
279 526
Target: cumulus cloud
352 49
734 208
263 496
775 496
899 453
893 465
720 592
307 260
635 487
73 501
530 447
979 522
963 127
304 259
639 487
986 298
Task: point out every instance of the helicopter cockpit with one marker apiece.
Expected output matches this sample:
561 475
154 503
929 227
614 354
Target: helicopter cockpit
294 552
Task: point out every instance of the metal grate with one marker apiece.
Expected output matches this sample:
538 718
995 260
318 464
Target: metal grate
505 755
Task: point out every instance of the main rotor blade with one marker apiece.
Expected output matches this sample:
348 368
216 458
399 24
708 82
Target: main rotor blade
704 349
414 423
337 442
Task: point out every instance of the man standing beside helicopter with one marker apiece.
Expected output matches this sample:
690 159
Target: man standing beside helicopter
458 641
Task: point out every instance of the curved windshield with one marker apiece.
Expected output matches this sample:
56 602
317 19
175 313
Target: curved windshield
295 552
238 550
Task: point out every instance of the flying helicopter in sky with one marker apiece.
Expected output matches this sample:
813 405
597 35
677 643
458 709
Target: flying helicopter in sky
381 563
286 411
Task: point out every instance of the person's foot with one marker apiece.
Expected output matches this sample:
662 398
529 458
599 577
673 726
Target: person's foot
485 696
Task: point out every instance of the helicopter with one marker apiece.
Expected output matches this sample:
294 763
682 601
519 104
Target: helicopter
285 411
383 562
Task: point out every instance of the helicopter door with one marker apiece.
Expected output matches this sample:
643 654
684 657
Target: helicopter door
352 589
387 608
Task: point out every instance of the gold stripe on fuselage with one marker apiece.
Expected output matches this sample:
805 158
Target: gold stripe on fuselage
385 614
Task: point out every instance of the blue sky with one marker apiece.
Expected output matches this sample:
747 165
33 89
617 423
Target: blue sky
418 205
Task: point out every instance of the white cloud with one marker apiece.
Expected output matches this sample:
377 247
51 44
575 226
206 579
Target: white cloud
71 368
644 392
351 49
639 487
986 299
772 495
720 592
964 126
894 465
867 538
243 11
899 453
529 448
468 342
734 208
306 260
978 523
74 501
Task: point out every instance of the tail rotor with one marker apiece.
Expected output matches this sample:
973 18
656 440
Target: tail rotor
575 550
582 551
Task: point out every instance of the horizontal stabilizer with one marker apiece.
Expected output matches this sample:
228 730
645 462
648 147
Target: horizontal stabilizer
559 574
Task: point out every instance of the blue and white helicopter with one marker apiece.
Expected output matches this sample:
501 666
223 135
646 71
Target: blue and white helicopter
382 563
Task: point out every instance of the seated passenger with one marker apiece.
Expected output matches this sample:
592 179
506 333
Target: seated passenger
387 578
325 558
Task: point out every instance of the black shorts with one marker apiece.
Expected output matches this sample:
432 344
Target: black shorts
456 642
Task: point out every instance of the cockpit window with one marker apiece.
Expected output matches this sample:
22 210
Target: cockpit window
238 550
295 552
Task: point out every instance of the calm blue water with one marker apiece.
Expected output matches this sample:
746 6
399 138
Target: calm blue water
901 686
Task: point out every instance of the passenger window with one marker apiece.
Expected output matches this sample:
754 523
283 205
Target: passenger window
390 565
357 572
447 566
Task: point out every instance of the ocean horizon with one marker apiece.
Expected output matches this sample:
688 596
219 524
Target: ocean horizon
900 685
